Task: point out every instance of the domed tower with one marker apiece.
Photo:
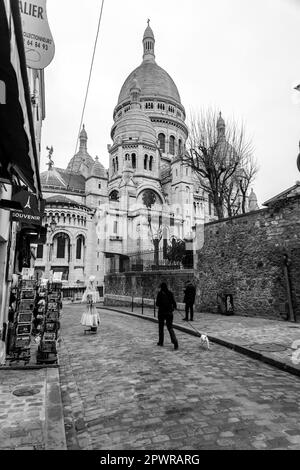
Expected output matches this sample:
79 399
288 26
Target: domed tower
159 100
96 185
134 154
221 127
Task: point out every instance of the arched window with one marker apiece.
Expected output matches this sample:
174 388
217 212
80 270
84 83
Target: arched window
162 142
145 162
172 145
150 163
79 246
114 195
61 242
179 147
187 192
133 160
126 156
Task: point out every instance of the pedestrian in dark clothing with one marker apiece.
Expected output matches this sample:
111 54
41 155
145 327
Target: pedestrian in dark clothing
166 304
189 299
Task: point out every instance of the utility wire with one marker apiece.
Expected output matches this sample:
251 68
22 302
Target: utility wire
87 88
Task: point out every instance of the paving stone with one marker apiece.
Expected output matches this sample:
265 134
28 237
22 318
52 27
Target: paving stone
133 395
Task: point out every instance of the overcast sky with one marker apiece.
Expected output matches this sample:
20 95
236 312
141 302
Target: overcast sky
239 56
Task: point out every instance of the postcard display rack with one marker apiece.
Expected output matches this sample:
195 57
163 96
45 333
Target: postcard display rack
47 349
23 317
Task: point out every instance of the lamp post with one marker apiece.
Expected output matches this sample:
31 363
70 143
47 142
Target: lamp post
50 229
298 158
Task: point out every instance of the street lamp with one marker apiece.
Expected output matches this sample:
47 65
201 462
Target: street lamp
298 158
50 229
52 225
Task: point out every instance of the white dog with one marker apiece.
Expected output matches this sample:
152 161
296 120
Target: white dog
204 341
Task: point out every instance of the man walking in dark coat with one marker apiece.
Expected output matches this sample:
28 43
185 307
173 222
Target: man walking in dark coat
189 299
166 304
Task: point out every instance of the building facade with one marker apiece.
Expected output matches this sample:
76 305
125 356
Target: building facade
99 217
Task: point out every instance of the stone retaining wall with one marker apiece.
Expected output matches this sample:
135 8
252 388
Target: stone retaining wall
243 256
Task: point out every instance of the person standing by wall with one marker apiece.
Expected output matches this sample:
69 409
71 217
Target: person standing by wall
166 304
189 300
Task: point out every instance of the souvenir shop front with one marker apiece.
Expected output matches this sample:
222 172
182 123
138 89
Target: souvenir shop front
28 312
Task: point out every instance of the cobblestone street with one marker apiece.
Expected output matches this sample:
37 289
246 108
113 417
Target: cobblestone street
121 391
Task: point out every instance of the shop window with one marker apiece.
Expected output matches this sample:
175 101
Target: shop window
40 251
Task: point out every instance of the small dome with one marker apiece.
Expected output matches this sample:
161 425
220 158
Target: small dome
52 178
135 124
98 169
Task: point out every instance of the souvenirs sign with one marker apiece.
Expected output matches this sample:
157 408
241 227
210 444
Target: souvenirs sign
30 212
38 40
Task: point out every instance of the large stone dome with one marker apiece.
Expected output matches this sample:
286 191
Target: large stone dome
154 82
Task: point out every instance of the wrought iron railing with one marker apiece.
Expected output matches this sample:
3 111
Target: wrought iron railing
147 261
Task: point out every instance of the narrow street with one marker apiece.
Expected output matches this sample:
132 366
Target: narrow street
121 391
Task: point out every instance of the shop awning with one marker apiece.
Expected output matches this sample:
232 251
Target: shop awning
111 254
18 153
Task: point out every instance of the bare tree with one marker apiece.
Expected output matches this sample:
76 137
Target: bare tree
246 178
149 199
216 153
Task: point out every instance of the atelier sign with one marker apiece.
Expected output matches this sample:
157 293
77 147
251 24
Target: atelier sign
38 40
